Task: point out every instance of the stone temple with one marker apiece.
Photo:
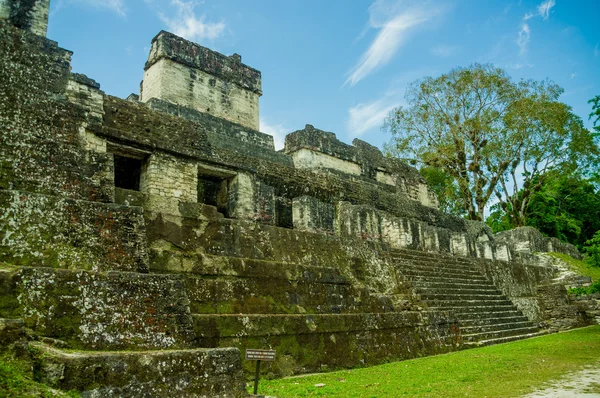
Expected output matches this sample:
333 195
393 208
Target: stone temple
146 242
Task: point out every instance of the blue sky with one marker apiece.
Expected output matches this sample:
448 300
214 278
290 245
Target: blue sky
341 65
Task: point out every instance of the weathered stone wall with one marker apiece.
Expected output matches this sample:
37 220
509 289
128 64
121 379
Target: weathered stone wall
167 176
113 310
50 231
316 149
31 15
227 242
191 373
187 74
41 147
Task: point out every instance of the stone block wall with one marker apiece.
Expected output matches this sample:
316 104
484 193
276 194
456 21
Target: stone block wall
31 15
169 177
310 214
319 150
50 231
185 73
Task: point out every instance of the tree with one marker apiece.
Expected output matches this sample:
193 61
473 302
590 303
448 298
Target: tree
595 112
566 207
492 135
446 189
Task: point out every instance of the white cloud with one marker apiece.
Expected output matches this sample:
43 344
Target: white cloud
523 38
187 24
276 130
116 6
544 8
443 50
394 21
520 65
366 116
572 75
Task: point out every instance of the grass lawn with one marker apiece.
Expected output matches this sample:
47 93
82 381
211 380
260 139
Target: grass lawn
504 370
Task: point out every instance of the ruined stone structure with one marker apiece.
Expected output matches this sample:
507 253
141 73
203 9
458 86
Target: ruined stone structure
161 235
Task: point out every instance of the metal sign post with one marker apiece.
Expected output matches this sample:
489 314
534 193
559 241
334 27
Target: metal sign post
259 355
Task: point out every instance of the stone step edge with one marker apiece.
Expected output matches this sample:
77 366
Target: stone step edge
434 265
198 371
505 339
217 257
303 324
468 328
69 353
474 335
436 254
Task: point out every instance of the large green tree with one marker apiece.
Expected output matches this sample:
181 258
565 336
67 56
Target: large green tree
492 135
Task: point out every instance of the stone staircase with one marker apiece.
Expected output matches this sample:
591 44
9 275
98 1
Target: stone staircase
454 284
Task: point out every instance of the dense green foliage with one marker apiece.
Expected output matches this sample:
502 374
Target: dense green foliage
592 249
491 135
504 370
566 207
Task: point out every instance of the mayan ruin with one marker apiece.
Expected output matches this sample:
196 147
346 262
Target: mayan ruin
147 242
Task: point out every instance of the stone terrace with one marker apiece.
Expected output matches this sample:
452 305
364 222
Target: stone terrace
146 243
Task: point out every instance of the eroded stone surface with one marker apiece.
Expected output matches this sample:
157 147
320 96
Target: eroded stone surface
162 224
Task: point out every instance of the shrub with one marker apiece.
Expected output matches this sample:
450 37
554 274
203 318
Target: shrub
592 249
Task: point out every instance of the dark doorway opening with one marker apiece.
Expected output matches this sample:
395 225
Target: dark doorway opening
127 172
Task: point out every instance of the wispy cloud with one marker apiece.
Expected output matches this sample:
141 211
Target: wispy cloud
366 116
523 38
572 75
443 50
597 50
394 20
544 8
116 6
278 131
520 66
187 24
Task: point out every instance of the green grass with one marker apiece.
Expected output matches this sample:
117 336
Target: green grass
579 266
504 370
16 381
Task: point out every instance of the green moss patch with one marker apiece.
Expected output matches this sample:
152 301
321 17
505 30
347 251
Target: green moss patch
16 380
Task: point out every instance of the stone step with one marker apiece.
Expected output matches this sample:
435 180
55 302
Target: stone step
440 273
473 308
214 372
466 291
499 333
491 318
456 296
506 339
468 330
464 284
439 257
434 266
440 276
